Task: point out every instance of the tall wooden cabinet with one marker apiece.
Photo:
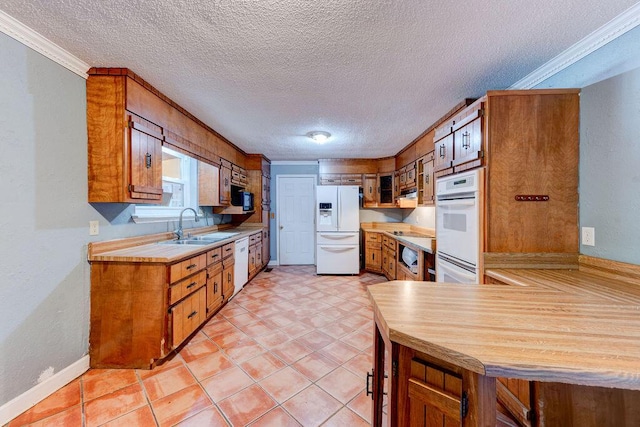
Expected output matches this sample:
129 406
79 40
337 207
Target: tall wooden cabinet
125 149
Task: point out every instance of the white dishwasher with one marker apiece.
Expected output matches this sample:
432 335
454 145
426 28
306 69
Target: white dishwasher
241 266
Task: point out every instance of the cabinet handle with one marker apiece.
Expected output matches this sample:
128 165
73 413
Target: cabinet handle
441 151
148 160
215 287
214 256
189 267
193 313
226 182
369 376
191 285
229 277
426 178
373 256
466 140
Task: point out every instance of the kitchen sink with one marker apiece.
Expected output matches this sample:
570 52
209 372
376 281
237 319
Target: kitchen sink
186 242
218 235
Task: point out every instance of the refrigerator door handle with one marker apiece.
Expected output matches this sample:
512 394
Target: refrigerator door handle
339 208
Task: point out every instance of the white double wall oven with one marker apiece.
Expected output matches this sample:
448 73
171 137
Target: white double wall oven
458 227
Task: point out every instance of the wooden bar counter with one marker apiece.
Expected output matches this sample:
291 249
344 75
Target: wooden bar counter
447 343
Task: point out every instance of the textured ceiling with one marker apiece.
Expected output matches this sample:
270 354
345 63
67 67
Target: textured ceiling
375 74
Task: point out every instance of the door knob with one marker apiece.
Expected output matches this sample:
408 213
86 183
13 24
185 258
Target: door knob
281 227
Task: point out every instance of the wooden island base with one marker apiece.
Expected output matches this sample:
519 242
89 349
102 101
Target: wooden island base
449 355
428 392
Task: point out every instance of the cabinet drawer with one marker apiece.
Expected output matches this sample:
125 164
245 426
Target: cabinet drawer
255 238
330 179
184 287
227 250
214 255
351 179
373 237
187 267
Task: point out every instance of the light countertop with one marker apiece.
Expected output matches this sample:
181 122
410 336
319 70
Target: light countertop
163 253
551 325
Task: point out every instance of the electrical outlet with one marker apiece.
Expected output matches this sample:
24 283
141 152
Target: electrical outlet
588 236
94 228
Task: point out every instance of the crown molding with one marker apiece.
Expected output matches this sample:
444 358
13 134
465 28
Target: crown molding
25 35
294 163
610 31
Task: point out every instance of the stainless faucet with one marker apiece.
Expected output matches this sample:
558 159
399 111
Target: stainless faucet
178 230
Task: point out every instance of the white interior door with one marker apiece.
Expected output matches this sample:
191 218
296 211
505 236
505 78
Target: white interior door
296 219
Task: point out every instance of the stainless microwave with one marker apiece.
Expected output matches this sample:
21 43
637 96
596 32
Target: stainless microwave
242 198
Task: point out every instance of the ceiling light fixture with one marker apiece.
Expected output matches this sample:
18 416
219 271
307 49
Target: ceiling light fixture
319 136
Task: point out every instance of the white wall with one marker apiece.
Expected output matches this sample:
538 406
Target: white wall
422 217
44 219
610 166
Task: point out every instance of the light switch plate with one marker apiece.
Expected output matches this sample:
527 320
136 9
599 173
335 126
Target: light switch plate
588 236
94 228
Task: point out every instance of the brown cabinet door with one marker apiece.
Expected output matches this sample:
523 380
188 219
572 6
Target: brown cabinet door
265 248
373 258
225 186
208 184
411 176
386 192
370 191
145 173
214 287
428 180
443 153
187 316
227 282
467 142
434 396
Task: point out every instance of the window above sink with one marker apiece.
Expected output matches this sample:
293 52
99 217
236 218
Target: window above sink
179 188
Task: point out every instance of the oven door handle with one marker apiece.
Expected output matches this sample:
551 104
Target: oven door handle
470 277
459 202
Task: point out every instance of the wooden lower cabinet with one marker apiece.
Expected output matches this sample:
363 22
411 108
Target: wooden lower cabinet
266 256
373 252
188 315
140 312
227 279
214 287
427 392
389 263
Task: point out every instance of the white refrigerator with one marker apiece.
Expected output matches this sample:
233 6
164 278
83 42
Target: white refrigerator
337 229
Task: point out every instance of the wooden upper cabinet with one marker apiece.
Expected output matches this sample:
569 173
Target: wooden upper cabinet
370 190
225 185
208 184
467 134
124 149
532 139
145 160
128 122
443 155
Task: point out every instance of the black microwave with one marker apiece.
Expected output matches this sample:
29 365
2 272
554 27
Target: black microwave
242 198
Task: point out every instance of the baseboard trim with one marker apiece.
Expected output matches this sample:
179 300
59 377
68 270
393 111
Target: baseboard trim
273 263
26 400
28 37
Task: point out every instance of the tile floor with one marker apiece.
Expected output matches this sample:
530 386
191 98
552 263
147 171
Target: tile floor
291 349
